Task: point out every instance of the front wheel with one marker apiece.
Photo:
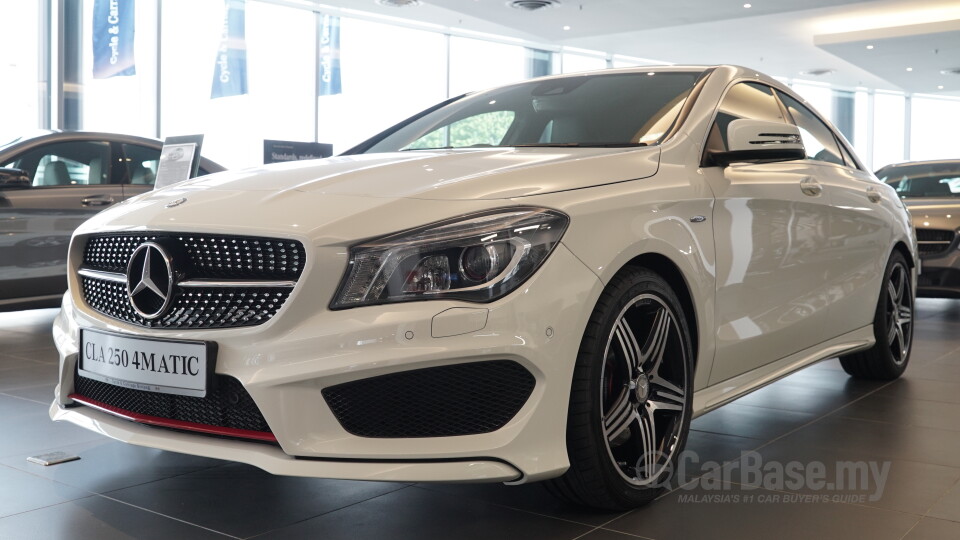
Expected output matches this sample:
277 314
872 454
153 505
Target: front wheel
631 399
892 327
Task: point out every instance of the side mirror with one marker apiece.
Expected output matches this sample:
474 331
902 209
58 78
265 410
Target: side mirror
14 178
758 141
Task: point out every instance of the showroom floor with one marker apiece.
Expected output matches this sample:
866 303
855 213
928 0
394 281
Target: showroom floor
815 419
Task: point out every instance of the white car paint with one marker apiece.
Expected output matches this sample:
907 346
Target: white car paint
778 280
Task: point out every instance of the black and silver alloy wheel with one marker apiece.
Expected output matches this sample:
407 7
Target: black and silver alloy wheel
899 308
631 397
643 397
892 327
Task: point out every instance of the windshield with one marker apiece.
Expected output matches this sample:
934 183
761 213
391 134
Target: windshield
613 109
923 179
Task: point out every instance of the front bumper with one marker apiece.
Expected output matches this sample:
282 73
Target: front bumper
286 363
940 277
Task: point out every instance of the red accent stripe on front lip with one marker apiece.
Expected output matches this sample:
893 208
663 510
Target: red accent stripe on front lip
177 424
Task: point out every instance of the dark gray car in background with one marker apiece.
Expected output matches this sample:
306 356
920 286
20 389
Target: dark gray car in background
931 191
50 183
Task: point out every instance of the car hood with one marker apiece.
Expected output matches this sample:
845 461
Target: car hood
934 213
462 174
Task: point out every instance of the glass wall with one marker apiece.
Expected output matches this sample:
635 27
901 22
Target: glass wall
281 76
888 118
390 69
476 64
933 125
123 104
22 87
387 74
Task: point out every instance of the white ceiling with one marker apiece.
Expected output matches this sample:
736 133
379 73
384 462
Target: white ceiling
780 37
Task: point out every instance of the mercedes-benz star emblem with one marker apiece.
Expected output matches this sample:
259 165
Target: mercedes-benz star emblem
150 280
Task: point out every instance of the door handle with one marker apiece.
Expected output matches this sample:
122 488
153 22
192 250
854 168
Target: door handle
97 200
873 194
810 187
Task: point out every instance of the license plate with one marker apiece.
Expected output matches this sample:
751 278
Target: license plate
152 365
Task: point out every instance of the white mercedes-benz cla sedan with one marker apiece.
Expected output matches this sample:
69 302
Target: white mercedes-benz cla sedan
542 281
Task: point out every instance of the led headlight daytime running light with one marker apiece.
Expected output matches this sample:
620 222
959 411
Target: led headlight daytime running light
478 258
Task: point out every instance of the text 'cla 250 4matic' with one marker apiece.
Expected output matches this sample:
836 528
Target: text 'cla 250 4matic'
542 281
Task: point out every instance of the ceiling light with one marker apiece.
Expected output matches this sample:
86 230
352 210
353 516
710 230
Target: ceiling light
566 27
870 47
533 5
939 87
909 69
953 71
748 6
818 72
399 3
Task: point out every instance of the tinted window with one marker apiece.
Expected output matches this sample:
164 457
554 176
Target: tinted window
604 109
745 100
141 163
818 139
923 180
66 164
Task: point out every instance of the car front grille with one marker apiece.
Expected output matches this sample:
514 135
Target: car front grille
234 281
445 401
227 407
932 242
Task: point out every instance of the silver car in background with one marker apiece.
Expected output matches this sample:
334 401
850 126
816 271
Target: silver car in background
50 183
931 191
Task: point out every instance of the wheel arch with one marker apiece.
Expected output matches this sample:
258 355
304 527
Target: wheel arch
905 251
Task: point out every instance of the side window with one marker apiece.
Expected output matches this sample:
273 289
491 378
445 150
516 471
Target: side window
744 100
487 128
66 164
141 163
818 139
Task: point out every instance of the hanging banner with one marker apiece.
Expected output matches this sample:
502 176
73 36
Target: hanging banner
230 71
328 74
113 38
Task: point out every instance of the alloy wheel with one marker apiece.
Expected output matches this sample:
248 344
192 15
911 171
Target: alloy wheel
899 313
644 390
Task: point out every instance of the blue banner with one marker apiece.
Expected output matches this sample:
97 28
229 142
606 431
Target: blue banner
230 71
328 74
113 38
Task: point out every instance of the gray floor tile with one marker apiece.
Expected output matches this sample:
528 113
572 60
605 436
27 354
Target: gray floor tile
934 529
606 534
248 500
859 478
898 441
22 492
416 514
948 507
937 371
35 375
923 389
799 397
42 394
107 465
758 513
915 412
529 497
97 518
752 422
32 432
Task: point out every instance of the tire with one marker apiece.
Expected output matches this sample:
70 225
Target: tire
892 327
631 398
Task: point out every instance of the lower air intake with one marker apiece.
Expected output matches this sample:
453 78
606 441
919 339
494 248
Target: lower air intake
446 401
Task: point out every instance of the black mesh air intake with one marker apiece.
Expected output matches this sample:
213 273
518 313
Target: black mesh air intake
226 405
935 241
462 399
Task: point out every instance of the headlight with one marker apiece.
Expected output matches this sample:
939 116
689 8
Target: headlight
478 257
